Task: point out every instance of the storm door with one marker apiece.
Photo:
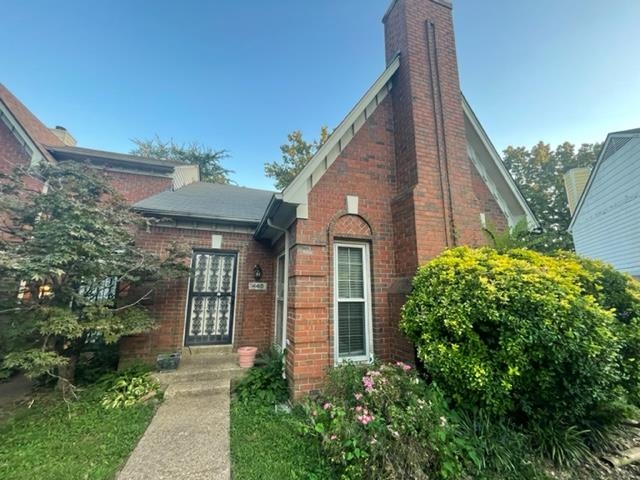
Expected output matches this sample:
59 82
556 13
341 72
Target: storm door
211 298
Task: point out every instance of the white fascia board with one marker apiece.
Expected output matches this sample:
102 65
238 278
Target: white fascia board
491 185
594 172
298 190
532 221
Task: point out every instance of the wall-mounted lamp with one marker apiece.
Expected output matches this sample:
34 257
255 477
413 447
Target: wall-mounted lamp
257 272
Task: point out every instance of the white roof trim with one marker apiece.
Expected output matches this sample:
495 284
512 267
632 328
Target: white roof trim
20 133
601 159
532 221
298 190
493 188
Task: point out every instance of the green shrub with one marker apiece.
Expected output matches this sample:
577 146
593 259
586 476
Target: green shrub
96 359
383 422
515 334
264 382
621 293
129 388
503 449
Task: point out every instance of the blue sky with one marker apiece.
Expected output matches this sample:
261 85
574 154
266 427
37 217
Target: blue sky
241 75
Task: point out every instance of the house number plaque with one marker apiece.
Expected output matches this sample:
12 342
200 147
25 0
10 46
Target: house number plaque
258 286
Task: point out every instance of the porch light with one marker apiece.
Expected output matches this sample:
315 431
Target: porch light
257 272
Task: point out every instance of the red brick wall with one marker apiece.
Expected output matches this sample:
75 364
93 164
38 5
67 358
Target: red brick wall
253 321
494 215
12 154
135 187
436 186
365 169
418 194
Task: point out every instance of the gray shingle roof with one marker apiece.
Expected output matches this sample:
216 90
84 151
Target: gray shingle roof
102 156
211 201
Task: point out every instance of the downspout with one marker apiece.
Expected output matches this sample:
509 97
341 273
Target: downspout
284 340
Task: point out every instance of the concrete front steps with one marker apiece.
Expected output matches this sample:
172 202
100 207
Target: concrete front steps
202 371
188 438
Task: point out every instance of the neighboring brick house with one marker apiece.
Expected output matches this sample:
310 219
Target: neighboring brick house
406 174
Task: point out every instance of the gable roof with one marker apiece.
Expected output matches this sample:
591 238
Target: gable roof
293 198
614 142
494 172
209 201
296 192
37 132
101 157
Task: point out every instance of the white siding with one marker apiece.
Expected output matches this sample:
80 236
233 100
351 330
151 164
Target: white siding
608 223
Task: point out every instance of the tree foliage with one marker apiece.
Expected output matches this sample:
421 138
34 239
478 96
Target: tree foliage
296 153
523 334
538 172
208 159
72 250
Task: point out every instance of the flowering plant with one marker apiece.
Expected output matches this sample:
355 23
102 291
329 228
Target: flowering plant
382 421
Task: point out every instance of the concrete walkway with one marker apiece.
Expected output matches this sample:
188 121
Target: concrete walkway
189 436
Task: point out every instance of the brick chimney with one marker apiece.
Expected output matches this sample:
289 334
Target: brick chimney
574 182
435 207
64 136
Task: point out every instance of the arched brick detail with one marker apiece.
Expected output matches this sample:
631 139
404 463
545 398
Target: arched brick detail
352 226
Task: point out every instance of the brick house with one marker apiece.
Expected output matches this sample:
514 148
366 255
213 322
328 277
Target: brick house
407 173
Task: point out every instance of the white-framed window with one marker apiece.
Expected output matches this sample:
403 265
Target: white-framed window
353 338
281 324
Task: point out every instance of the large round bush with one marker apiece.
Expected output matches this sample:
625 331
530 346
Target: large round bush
517 333
620 293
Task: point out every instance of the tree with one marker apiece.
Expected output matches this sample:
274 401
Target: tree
295 155
72 251
208 159
538 172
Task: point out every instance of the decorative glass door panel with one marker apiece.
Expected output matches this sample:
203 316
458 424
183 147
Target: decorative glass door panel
211 299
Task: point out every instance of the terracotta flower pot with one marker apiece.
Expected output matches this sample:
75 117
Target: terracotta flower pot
246 356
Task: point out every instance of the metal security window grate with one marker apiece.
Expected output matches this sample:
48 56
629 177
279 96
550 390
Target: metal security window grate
100 291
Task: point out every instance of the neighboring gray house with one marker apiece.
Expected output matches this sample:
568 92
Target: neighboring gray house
606 221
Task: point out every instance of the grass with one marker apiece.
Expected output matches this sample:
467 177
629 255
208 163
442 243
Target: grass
80 440
266 445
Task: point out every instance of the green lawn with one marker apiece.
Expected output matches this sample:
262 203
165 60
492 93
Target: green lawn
81 440
266 445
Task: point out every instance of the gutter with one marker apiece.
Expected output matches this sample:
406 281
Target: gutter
191 216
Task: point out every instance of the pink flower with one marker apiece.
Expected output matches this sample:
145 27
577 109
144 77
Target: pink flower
359 408
368 383
333 437
357 395
404 366
365 418
327 406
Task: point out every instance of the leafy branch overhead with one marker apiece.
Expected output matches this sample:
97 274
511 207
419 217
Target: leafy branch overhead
70 269
296 153
208 159
539 174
